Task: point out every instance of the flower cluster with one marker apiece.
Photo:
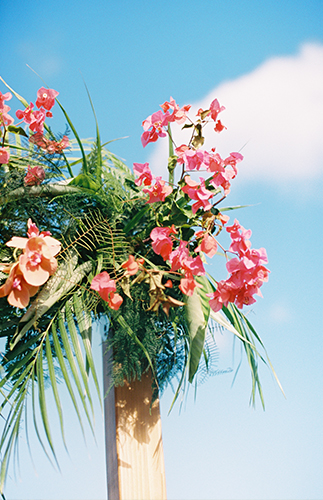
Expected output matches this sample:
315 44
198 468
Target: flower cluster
33 268
106 287
34 176
35 117
49 146
5 121
247 271
183 251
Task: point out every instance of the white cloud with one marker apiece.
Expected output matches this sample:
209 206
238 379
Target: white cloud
277 109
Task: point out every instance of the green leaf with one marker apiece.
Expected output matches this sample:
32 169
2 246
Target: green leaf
63 368
65 278
134 220
53 383
17 130
196 328
84 323
21 99
85 166
42 400
77 350
71 361
85 181
98 172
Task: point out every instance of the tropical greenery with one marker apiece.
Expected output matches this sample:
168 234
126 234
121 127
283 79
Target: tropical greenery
90 202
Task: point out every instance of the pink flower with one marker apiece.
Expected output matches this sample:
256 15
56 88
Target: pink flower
232 160
154 127
4 97
194 265
37 122
178 256
179 114
219 126
240 238
193 159
46 98
106 287
158 191
215 109
4 156
17 289
34 176
197 191
26 114
115 301
130 265
35 119
47 145
5 119
208 245
188 284
161 242
145 175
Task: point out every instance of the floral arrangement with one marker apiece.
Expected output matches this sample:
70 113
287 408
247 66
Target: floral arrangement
116 243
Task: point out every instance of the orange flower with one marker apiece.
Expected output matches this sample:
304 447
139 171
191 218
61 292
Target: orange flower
17 288
37 263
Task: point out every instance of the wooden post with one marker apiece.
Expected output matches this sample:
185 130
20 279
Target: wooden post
134 447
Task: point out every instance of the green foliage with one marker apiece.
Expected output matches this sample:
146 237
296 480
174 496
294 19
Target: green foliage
92 205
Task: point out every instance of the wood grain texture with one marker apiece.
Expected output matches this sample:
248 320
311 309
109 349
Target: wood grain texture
134 447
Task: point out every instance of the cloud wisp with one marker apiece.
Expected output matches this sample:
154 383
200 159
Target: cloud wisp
274 115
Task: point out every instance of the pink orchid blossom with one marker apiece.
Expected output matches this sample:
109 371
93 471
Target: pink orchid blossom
34 176
26 114
51 147
158 191
208 245
193 159
247 272
219 126
131 266
106 287
178 256
161 242
215 109
4 156
232 160
5 118
154 127
197 191
188 284
144 173
17 288
115 301
35 119
179 114
4 97
46 98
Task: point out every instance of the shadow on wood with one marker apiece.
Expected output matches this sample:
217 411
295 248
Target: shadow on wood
134 448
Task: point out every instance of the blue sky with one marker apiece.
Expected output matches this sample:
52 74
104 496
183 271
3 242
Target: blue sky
264 61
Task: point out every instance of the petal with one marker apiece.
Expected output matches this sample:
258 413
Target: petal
17 242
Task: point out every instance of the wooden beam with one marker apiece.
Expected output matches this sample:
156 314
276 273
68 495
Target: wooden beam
134 447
